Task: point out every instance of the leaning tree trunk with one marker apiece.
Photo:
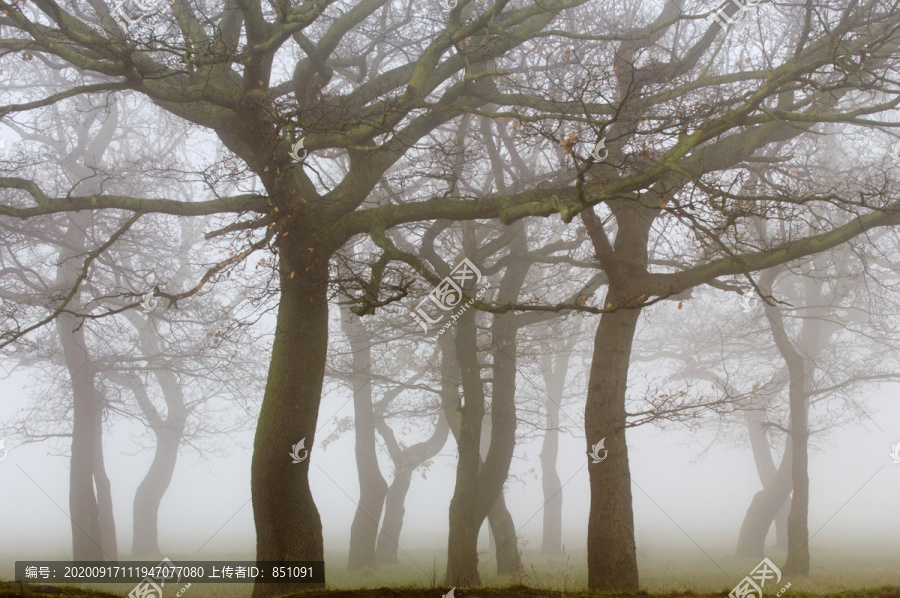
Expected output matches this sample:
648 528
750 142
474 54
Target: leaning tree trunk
406 461
612 560
797 562
768 502
764 510
150 492
389 537
288 525
168 433
503 531
372 487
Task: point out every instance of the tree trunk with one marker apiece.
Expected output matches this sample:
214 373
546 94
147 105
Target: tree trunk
551 539
798 527
90 536
288 526
462 540
389 537
150 492
768 502
764 510
797 562
478 486
555 368
406 461
108 541
83 509
612 560
781 535
372 487
503 532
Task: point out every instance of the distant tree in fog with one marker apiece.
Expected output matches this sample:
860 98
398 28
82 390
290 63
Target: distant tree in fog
104 355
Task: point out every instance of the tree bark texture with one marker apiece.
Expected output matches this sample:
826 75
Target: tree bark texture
288 525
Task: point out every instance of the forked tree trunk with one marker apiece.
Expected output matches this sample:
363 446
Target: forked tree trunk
764 510
288 525
612 559
87 444
406 461
768 502
479 486
372 487
168 433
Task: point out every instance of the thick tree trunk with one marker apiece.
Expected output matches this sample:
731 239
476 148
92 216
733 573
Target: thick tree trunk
612 560
372 487
288 526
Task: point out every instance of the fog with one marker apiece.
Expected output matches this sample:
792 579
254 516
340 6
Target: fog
567 295
683 494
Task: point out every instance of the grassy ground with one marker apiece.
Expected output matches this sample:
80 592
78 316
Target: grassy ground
663 573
